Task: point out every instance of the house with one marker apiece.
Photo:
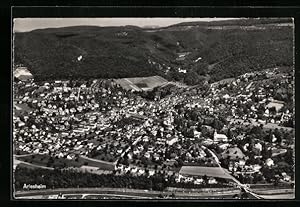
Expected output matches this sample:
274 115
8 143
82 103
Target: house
220 137
172 140
274 139
242 162
286 177
181 70
275 103
258 147
151 172
208 142
256 167
269 162
212 181
226 96
197 133
147 155
224 146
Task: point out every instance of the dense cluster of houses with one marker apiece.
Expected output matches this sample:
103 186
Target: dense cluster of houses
103 121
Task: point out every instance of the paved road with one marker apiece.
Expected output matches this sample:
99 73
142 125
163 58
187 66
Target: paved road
279 194
24 155
242 186
17 162
122 192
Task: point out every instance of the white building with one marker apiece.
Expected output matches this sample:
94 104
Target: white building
220 137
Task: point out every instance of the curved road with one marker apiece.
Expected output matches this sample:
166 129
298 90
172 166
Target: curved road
17 162
246 188
242 186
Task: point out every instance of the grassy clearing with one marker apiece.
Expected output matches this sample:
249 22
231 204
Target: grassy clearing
47 161
201 171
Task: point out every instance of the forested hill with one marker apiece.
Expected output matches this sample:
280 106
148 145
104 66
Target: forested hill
212 51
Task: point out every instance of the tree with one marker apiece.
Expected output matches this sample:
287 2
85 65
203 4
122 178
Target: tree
150 185
192 78
289 156
218 125
50 162
160 195
205 179
272 110
268 173
158 186
175 75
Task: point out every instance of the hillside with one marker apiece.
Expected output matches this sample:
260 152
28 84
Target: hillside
204 50
240 22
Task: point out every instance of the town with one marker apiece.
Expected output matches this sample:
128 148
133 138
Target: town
231 133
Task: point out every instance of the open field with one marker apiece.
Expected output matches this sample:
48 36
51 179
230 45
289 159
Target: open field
43 160
103 165
21 108
201 171
141 83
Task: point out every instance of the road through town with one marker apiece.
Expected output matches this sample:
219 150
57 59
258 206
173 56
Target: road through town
279 194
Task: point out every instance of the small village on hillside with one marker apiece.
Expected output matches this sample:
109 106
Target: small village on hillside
153 108
236 133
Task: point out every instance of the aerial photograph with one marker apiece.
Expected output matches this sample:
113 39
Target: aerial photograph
153 108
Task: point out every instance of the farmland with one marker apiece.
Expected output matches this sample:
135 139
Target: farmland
141 83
